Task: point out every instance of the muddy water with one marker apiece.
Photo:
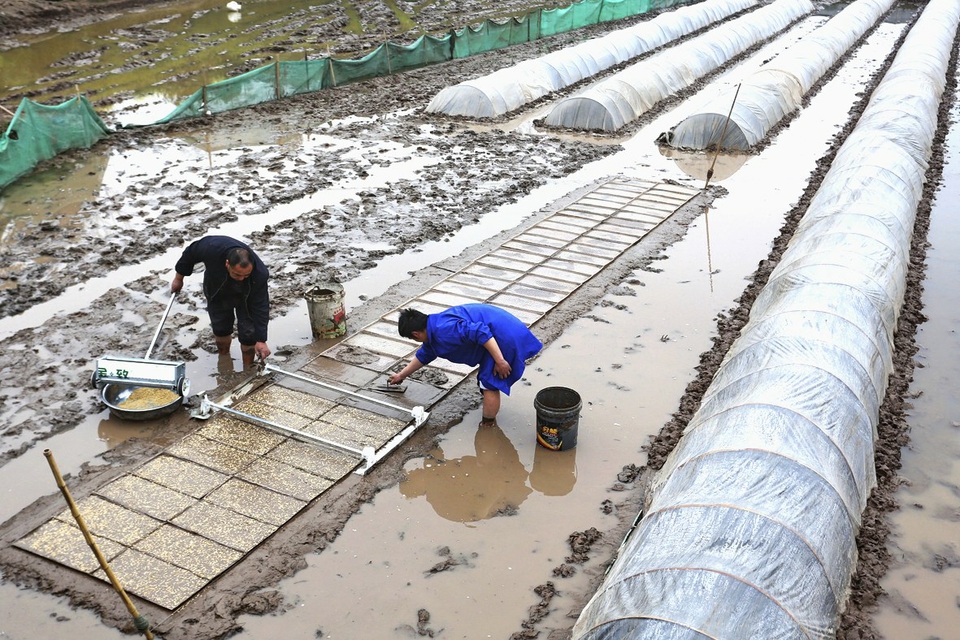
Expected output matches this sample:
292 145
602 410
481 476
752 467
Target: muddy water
29 473
26 616
156 47
178 159
923 584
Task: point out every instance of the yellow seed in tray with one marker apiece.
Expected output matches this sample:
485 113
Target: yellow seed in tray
148 398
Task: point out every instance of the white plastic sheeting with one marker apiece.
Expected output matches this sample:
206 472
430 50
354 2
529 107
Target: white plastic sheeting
508 89
750 531
777 88
625 96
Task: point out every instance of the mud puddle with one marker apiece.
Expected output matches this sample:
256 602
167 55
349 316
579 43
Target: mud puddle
168 42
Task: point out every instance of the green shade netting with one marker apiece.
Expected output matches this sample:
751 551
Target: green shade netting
69 126
39 132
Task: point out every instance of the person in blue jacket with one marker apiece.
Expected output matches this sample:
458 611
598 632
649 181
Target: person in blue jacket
235 286
472 334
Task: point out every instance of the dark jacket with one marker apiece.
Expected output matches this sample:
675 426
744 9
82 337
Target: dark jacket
212 252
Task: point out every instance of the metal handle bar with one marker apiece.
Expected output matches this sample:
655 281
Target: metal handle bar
417 415
162 320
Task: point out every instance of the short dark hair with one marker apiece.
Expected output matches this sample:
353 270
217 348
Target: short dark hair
411 320
238 257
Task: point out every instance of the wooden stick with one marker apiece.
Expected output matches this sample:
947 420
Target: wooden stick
139 621
276 80
306 68
333 74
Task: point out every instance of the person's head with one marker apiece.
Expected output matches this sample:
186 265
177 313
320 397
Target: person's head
413 325
239 265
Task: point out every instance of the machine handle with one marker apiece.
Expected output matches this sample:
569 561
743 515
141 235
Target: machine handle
162 320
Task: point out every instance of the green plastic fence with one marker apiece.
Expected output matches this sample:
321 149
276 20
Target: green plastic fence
283 79
40 132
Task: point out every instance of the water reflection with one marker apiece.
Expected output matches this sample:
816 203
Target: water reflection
114 431
493 482
554 472
472 488
697 164
226 367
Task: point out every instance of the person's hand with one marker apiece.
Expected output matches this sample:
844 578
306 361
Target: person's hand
262 350
177 283
395 379
502 369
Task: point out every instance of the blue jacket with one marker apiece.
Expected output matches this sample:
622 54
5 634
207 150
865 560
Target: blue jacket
212 252
458 334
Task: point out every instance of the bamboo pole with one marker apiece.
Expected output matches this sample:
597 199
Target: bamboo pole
276 80
139 621
306 69
723 132
333 74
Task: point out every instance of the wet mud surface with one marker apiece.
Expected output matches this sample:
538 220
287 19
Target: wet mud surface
322 29
471 173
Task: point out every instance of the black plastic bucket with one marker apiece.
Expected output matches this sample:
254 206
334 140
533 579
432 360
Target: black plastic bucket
558 418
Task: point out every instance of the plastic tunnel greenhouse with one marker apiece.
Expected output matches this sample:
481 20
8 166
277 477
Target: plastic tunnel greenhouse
508 89
625 96
751 526
777 88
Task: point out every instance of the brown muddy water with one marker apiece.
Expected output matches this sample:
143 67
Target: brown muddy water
630 359
157 46
923 584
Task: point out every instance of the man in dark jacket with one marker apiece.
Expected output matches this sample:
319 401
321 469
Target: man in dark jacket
235 285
